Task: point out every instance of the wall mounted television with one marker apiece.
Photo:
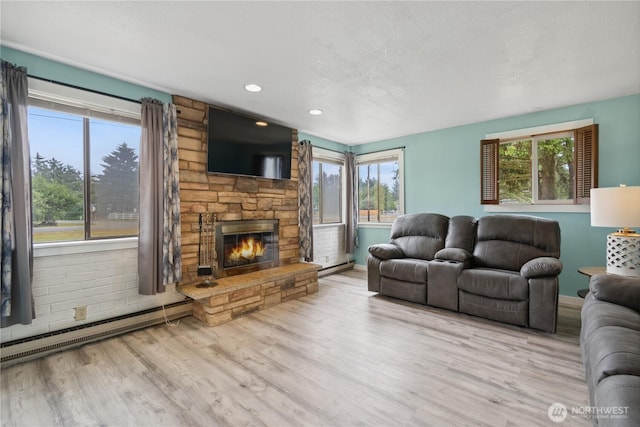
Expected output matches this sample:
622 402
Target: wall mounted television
237 145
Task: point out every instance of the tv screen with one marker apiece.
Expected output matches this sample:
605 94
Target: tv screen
238 145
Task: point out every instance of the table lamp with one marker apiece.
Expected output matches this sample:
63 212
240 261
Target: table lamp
619 207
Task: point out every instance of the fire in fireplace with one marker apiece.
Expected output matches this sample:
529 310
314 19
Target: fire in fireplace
244 246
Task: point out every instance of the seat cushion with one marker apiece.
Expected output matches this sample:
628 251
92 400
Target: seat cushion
492 283
405 269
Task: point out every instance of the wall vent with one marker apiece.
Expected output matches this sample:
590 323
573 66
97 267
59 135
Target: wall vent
21 350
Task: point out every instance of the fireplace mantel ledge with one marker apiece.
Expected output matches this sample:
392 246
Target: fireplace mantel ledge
235 296
242 281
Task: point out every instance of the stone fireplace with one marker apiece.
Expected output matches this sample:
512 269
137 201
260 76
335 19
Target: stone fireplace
275 275
246 245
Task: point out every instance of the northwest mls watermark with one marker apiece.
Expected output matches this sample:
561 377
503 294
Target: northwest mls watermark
558 412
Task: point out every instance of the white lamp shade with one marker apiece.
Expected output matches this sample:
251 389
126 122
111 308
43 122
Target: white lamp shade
615 207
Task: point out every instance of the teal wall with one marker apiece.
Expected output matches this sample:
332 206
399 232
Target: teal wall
442 168
442 174
57 72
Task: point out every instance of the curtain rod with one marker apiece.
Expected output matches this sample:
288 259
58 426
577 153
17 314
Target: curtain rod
343 152
137 101
386 149
322 148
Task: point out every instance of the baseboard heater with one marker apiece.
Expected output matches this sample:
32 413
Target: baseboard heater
336 268
24 349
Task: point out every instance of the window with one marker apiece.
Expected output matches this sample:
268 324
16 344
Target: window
327 187
380 186
84 165
548 168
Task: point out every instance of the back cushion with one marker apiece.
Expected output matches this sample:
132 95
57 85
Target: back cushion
509 241
462 232
420 235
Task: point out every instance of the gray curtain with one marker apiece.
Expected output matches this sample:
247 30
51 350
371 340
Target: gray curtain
305 192
351 232
171 245
17 245
159 236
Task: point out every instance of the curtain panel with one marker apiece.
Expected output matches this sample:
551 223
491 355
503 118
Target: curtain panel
305 191
171 240
159 256
351 231
16 226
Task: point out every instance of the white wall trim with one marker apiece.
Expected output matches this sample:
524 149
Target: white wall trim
81 247
537 130
538 208
83 99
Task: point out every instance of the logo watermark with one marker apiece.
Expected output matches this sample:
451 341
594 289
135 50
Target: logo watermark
558 412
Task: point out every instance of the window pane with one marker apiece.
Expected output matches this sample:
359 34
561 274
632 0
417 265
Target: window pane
515 172
389 191
56 173
555 169
379 191
367 193
331 193
114 178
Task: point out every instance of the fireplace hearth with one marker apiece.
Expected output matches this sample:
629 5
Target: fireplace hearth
245 246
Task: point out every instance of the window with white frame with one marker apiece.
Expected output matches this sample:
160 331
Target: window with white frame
84 164
550 167
380 186
328 175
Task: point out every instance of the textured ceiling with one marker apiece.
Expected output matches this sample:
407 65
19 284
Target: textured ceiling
377 69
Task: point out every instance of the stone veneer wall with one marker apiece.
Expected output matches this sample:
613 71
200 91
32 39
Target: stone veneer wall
230 197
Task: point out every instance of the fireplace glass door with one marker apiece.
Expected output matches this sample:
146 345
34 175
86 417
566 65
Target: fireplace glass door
246 245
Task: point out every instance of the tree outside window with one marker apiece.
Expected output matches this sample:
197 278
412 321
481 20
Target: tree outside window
539 169
379 191
327 192
84 176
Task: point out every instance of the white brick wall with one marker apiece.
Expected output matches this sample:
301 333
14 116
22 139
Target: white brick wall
102 275
328 245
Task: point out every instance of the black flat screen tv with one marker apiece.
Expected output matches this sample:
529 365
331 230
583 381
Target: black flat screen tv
238 145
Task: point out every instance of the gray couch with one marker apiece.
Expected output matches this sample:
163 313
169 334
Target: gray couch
610 345
500 267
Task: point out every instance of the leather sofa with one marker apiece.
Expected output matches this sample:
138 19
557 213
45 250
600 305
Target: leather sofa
610 346
500 267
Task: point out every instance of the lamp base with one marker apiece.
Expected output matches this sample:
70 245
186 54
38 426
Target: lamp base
623 254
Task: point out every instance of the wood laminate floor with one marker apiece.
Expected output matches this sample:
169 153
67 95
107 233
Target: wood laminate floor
342 357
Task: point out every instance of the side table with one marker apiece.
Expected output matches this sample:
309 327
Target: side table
589 271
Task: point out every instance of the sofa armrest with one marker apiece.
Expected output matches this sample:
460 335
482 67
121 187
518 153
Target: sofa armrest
541 267
454 254
615 289
386 251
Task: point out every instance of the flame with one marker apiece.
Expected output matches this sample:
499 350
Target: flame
248 249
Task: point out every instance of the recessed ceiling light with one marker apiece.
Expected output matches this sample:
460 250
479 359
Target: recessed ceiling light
253 88
315 112
261 123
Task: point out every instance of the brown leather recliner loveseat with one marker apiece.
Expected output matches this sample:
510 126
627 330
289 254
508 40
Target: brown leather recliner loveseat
500 267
